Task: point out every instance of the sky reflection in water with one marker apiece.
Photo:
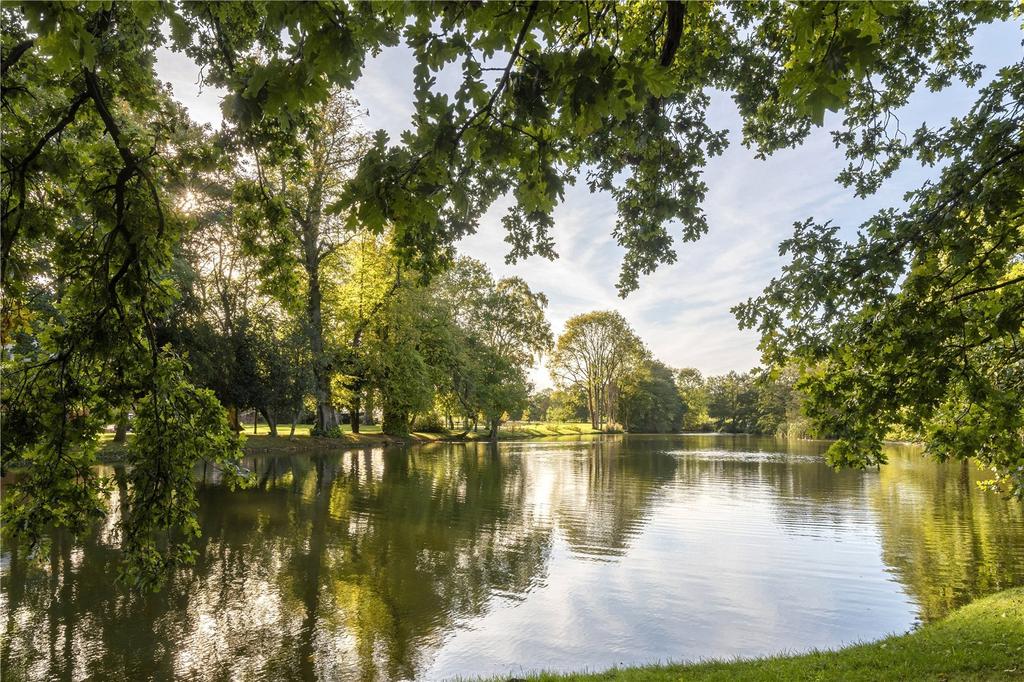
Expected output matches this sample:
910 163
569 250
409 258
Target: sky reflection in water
458 560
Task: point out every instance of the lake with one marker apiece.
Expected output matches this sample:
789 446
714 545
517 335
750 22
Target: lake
461 560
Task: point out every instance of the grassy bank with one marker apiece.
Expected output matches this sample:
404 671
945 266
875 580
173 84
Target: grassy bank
981 641
261 442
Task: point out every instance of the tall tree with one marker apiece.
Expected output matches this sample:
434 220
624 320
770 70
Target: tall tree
294 235
96 155
651 404
504 332
597 352
218 295
372 275
693 391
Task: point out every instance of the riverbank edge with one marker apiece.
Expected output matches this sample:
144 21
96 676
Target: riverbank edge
264 444
983 640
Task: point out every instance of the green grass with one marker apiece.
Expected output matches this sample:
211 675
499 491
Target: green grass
516 430
509 431
262 442
981 641
301 430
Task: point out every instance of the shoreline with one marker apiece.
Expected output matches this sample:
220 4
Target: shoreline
983 640
262 443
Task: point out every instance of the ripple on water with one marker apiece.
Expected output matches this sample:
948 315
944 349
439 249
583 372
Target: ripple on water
454 560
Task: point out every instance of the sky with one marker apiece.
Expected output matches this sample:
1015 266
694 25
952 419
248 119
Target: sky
682 311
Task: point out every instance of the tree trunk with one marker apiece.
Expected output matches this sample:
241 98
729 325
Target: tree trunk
121 431
255 420
295 419
236 426
494 430
368 417
271 421
326 415
353 412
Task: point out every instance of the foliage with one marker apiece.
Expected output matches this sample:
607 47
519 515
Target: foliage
397 362
162 505
499 330
568 406
600 89
653 405
96 158
538 404
693 392
599 354
760 401
288 231
105 180
918 323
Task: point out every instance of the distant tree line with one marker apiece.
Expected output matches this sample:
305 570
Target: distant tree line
604 374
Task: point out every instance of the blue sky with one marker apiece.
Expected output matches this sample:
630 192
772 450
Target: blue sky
681 311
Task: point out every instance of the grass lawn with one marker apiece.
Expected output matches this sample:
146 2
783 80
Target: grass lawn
507 431
515 430
262 442
981 641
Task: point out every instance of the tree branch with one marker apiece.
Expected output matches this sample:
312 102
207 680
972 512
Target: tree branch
15 54
674 31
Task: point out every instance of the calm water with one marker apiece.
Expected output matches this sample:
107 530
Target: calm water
458 560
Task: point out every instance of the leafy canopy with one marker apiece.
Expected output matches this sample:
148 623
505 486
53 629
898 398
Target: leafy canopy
918 323
615 93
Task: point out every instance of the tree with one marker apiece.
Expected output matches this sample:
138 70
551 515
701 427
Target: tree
732 402
568 405
653 405
95 157
918 323
504 331
780 404
393 339
597 353
538 405
601 90
218 296
693 392
95 154
280 379
372 274
290 230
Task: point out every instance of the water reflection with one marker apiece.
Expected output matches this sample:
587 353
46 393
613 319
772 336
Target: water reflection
460 559
945 541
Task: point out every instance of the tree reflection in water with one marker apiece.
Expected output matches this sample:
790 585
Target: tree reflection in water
363 564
